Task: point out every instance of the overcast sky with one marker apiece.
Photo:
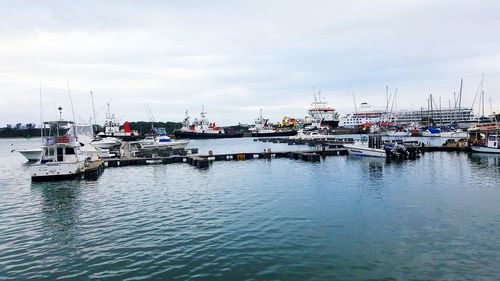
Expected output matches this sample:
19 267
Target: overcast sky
235 57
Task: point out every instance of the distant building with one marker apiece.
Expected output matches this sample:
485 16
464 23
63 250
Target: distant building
440 117
366 115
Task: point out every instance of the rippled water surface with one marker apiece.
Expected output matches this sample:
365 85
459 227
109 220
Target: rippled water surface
342 219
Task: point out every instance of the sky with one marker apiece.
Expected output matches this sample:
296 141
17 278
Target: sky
235 57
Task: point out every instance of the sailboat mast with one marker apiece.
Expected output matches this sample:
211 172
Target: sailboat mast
440 112
41 112
491 108
482 93
73 111
355 105
460 99
93 109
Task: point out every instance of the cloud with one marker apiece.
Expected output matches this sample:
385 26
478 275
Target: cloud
237 57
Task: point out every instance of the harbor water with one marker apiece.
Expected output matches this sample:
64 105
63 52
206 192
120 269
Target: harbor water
344 218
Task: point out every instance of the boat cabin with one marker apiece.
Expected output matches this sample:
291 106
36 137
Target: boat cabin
494 141
59 153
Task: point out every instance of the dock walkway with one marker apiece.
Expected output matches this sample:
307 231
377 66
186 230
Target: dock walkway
203 161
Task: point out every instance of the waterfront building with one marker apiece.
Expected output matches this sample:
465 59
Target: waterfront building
367 115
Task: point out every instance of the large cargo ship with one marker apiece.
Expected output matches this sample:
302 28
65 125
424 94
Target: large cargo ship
321 116
262 128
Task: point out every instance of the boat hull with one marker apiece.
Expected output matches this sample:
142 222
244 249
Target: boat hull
105 144
124 137
369 152
332 124
195 135
276 134
172 145
57 171
398 134
454 135
31 154
484 149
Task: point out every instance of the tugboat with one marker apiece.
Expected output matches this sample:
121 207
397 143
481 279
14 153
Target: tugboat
112 129
263 129
202 129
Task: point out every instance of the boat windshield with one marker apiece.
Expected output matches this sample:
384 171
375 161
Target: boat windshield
160 131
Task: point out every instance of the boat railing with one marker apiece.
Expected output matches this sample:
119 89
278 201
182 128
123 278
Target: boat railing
52 140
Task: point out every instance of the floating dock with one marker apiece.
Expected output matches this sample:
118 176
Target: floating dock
338 143
323 148
203 161
93 169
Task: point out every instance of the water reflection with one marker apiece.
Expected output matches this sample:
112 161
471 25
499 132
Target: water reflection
375 170
484 160
60 207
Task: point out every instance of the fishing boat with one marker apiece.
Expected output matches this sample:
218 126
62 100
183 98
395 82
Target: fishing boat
371 147
61 157
161 140
361 149
202 129
492 145
262 128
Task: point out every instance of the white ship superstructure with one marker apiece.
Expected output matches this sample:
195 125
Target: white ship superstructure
439 116
321 115
366 115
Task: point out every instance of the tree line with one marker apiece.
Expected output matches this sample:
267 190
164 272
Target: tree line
28 130
20 130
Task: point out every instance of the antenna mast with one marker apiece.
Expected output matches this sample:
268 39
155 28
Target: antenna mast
41 112
355 105
72 109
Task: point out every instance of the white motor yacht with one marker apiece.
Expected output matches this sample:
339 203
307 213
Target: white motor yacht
456 134
309 135
61 157
161 140
372 147
398 134
362 149
106 143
